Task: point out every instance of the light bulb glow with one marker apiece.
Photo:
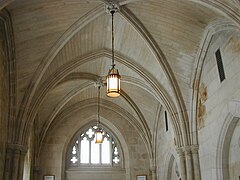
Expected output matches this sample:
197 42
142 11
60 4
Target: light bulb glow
98 136
113 85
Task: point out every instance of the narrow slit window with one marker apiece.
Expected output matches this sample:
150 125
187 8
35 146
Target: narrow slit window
166 121
220 65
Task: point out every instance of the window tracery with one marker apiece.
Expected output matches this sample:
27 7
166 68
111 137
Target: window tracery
85 152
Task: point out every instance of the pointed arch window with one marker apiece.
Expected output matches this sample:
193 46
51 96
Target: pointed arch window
85 152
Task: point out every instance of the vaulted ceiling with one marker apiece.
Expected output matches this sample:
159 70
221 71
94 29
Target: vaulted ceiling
63 47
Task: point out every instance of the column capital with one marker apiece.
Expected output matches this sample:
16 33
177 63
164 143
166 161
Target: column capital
180 151
36 169
195 148
182 160
14 162
187 150
153 168
13 147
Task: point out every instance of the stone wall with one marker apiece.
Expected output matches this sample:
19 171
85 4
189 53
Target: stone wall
54 148
219 95
234 154
3 98
166 155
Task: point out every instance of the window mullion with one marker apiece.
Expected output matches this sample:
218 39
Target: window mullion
111 151
82 146
79 151
90 150
100 153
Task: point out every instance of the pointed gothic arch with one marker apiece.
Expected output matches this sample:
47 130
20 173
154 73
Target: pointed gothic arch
232 118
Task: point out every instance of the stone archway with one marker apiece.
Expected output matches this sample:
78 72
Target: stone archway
227 131
173 170
170 167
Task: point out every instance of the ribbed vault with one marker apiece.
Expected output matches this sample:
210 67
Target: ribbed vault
64 47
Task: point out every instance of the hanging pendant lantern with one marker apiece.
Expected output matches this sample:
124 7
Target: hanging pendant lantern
113 83
98 136
113 77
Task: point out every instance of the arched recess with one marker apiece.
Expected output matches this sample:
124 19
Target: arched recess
92 80
141 125
171 168
110 107
215 27
123 171
232 118
88 105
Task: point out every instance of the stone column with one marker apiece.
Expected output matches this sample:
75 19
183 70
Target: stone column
14 162
182 163
196 164
36 172
153 172
189 166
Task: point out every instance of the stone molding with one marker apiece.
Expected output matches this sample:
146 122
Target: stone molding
187 150
17 147
14 162
189 160
183 138
195 149
12 72
29 94
231 119
180 152
213 28
237 2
